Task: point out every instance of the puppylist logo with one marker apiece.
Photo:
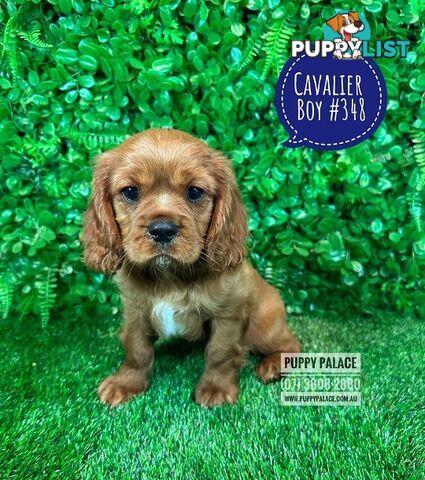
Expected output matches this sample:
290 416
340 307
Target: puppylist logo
331 94
348 37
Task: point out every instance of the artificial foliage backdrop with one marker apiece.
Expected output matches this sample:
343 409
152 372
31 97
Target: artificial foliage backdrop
333 230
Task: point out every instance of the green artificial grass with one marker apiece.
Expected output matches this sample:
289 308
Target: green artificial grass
53 426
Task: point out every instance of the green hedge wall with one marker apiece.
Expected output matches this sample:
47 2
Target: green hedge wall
336 231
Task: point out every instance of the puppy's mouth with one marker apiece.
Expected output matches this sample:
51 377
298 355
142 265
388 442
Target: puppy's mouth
347 36
163 261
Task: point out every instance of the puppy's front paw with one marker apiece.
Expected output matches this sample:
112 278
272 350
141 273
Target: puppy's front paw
269 368
116 389
209 394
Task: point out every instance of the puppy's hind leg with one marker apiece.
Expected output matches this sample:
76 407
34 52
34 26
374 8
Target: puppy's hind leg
268 334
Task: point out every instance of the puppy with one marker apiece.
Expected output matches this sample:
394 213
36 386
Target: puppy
346 24
166 215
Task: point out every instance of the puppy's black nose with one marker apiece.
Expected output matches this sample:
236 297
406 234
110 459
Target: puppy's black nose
163 231
358 23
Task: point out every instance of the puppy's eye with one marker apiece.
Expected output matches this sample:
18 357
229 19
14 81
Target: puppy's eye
194 194
130 194
344 23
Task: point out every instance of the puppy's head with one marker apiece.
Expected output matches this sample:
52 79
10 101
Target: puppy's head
346 24
164 198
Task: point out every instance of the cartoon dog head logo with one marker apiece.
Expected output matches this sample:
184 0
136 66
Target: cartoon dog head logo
346 25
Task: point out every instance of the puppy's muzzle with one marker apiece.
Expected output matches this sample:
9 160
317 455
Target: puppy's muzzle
358 23
163 231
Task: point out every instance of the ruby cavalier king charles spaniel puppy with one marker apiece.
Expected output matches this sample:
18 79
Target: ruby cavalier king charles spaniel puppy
166 216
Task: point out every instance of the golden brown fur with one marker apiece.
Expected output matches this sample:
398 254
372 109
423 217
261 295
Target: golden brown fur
200 276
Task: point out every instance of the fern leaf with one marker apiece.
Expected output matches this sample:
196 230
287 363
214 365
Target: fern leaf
26 14
140 6
46 293
274 276
276 41
251 51
32 36
416 207
6 295
93 140
9 46
418 139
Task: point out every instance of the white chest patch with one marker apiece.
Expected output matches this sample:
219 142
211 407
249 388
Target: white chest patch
165 315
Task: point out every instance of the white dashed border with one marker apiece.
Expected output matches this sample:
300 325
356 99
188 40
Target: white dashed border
306 140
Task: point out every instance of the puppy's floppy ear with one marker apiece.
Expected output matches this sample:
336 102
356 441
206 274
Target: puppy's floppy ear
335 23
101 234
355 16
227 232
